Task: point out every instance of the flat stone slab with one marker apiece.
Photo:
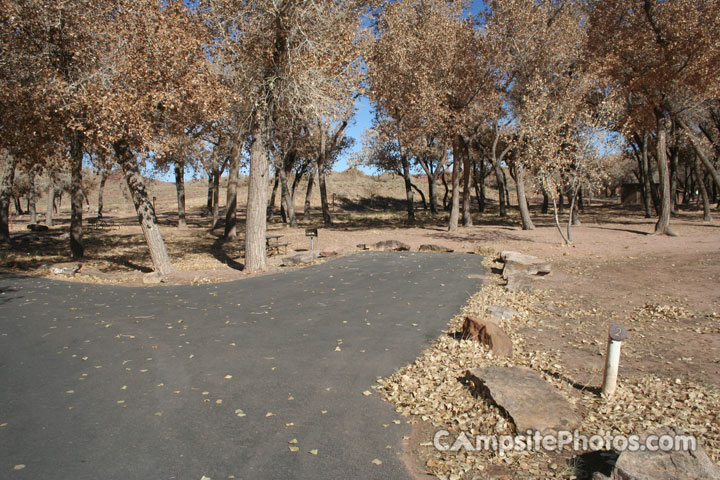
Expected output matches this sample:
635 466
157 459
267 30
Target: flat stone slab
532 403
434 248
521 258
301 258
663 465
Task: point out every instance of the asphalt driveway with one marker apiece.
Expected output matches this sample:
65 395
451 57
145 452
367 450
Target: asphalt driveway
181 382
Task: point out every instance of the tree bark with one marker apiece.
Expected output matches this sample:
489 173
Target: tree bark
308 192
231 202
144 208
674 153
446 206
216 200
50 203
500 179
76 198
256 223
288 201
422 195
408 189
7 178
327 219
663 224
467 185
273 193
455 203
479 174
647 176
180 187
432 194
101 190
703 157
32 204
526 221
507 189
432 179
699 174
210 192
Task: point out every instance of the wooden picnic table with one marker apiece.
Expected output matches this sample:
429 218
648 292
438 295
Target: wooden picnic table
274 245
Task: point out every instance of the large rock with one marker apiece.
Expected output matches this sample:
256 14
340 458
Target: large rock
434 248
65 268
662 465
489 334
532 403
386 246
330 252
522 258
153 278
513 268
300 258
520 270
521 282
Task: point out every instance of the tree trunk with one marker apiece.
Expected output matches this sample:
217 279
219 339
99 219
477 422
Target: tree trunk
526 221
273 193
180 187
144 208
210 192
663 224
507 189
647 177
288 200
446 206
546 201
7 178
256 224
480 173
500 179
231 202
298 176
101 190
467 185
50 203
327 219
76 198
408 189
674 153
216 200
703 191
308 192
32 196
575 213
422 195
703 157
18 206
432 193
455 204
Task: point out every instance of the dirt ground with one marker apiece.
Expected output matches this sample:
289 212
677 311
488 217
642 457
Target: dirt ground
664 290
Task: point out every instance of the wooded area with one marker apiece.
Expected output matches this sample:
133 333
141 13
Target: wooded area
571 98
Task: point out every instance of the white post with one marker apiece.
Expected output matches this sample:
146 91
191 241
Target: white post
617 334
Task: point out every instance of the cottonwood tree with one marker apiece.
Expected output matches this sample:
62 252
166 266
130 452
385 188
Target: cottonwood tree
105 74
290 59
426 70
50 63
661 58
